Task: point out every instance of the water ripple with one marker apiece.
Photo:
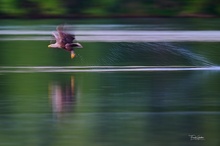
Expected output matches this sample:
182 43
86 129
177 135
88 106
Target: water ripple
37 69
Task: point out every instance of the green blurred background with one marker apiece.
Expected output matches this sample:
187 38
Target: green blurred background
108 8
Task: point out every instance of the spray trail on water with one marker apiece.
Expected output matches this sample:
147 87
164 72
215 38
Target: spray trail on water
156 53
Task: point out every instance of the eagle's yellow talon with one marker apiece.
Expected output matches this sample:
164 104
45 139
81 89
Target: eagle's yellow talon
72 55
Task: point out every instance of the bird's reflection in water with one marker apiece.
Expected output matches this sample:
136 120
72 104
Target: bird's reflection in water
63 97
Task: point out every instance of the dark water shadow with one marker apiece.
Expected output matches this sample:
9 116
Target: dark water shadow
156 108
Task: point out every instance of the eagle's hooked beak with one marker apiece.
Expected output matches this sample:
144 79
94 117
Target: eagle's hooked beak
53 46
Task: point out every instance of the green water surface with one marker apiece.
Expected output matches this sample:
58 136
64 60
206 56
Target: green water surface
110 108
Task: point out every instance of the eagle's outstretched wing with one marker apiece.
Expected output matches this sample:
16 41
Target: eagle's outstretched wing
64 37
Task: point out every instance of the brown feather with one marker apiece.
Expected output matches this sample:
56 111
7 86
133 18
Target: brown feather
65 37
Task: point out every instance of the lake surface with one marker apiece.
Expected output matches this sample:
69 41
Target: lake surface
135 82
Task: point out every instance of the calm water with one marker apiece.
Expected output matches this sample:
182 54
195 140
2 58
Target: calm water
116 91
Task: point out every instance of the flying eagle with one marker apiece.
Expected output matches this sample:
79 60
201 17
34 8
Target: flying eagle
65 41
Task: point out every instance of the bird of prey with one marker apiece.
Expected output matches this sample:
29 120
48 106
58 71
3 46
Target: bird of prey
65 41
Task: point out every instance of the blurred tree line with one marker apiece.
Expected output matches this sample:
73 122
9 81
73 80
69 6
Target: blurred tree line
108 8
